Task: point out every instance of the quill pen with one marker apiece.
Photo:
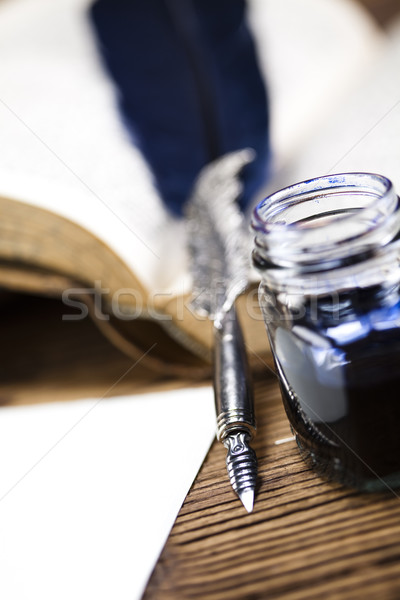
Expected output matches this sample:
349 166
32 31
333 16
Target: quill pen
220 266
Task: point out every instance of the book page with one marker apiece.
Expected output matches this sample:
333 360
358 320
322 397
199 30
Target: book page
63 146
90 489
363 135
313 53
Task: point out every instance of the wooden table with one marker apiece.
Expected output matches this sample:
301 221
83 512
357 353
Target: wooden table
305 539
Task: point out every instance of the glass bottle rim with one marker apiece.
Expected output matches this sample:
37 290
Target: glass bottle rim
343 231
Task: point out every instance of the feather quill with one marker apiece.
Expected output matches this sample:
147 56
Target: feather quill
217 235
189 86
220 265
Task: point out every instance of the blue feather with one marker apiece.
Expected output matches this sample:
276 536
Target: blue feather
189 86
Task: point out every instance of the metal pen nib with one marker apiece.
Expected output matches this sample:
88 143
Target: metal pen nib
241 462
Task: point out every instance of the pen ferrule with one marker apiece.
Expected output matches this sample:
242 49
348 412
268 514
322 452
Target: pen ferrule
234 420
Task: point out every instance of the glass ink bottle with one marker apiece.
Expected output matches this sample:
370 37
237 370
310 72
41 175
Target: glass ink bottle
328 253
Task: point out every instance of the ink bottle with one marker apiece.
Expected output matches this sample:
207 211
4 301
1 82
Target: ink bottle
328 253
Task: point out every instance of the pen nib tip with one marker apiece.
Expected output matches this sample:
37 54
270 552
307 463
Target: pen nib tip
247 498
241 462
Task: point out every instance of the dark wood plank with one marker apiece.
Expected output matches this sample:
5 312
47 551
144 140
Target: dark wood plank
382 10
44 358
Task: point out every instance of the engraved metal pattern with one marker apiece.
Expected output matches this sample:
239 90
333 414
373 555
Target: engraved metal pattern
241 462
217 235
220 267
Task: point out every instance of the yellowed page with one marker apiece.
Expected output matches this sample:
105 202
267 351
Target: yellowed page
313 53
63 147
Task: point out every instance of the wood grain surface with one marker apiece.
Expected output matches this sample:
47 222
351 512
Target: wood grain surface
305 539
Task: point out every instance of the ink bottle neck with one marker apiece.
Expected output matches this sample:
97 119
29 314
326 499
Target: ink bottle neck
319 233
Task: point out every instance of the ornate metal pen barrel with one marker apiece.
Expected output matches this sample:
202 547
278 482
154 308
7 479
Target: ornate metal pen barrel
234 406
220 268
233 398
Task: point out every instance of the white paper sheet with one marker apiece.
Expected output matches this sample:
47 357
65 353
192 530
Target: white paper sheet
89 490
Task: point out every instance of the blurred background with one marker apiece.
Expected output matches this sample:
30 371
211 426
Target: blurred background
39 355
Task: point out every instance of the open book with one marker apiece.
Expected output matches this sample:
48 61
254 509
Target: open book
80 215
